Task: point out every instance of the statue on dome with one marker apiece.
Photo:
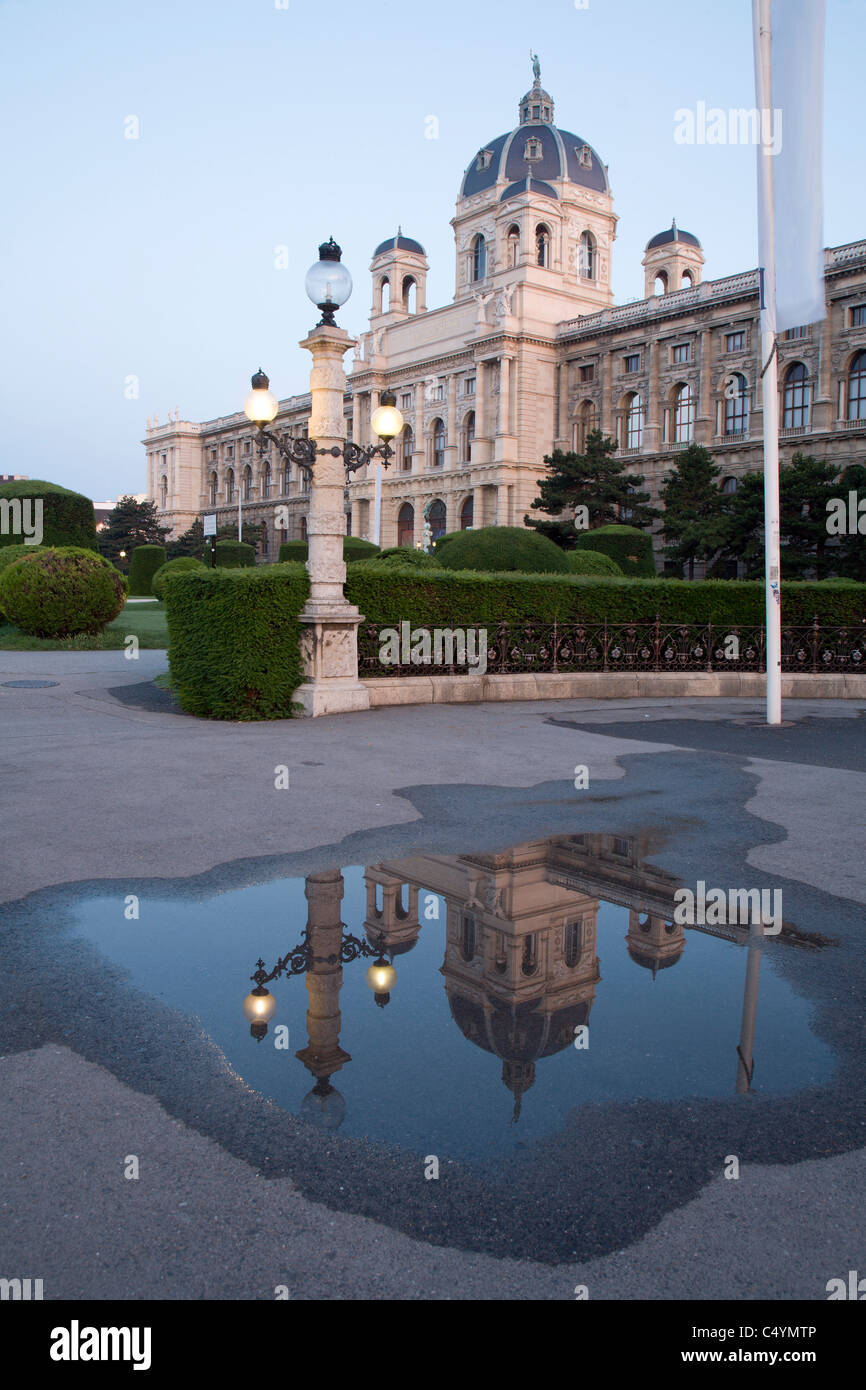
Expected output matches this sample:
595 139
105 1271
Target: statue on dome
536 66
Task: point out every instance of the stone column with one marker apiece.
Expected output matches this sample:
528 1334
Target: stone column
329 624
323 1054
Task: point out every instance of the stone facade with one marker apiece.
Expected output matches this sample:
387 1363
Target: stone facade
529 355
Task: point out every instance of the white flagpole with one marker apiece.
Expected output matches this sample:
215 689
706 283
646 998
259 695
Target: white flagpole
377 504
769 373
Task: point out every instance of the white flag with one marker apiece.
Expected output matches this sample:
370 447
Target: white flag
791 232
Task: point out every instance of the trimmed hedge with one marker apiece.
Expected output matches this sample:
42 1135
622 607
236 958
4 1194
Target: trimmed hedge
443 599
406 555
179 565
10 553
61 591
631 548
591 562
234 555
500 550
67 517
234 640
354 549
143 565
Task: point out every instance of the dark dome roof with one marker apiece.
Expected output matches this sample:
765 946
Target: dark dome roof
402 243
514 190
559 158
673 233
650 961
521 1033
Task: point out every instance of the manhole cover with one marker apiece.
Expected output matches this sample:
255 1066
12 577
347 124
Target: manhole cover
30 685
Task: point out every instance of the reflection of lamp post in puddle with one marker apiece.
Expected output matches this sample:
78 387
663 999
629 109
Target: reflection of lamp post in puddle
746 1045
324 949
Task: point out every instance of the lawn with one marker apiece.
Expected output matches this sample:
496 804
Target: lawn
146 621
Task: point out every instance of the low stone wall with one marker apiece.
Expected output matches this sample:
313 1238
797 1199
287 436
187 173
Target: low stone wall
469 689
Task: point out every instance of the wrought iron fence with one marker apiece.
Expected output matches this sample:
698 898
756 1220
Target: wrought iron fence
518 648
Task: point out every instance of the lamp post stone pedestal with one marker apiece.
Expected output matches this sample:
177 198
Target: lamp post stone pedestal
329 623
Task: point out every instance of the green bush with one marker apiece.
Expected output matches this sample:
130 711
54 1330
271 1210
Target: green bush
67 517
406 555
180 565
61 591
10 553
143 565
591 562
234 640
500 549
234 555
631 548
354 549
433 598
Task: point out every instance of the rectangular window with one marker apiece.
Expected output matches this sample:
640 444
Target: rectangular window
469 386
680 353
213 455
587 373
858 316
440 393
791 333
621 847
406 400
230 453
631 363
735 342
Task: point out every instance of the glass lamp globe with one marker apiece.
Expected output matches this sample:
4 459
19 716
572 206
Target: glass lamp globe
381 977
261 405
259 1006
387 421
328 282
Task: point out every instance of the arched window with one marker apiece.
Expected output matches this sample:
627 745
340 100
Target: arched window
466 514
409 294
573 943
586 256
230 485
438 443
857 388
468 436
266 480
437 519
513 242
163 492
661 283
542 244
729 485
585 424
479 258
688 280
406 524
384 295
214 488
467 937
407 445
684 414
287 478
795 403
303 528
634 421
529 957
736 405
248 483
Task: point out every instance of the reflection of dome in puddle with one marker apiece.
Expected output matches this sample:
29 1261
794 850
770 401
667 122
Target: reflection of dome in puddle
323 1107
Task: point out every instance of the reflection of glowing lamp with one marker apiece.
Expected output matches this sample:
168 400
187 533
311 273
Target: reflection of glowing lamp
259 1007
381 979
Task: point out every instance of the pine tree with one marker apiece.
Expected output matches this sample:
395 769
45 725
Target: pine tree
694 523
590 488
130 524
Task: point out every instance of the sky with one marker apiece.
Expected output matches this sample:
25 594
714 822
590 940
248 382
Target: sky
141 274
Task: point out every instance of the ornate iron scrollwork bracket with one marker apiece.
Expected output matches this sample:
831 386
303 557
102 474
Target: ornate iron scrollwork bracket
304 453
301 958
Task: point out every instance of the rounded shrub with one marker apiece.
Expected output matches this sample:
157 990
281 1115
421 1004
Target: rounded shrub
143 565
631 548
10 553
500 549
176 566
591 562
234 555
407 555
354 549
61 591
67 517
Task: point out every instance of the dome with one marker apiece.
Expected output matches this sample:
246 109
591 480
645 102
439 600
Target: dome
536 149
399 243
673 233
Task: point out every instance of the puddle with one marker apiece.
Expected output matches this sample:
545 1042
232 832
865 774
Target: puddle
501 964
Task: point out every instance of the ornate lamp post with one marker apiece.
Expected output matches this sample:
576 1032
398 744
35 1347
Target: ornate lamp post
329 642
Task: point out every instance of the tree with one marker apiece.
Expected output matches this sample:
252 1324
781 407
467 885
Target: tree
130 524
593 488
850 556
192 542
694 524
805 486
